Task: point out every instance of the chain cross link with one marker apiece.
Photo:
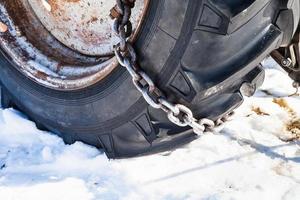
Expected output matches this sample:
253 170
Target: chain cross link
177 113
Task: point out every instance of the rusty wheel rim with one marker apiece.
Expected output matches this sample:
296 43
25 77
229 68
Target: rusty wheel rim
45 50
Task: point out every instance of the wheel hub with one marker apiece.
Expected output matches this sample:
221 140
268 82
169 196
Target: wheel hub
83 25
62 44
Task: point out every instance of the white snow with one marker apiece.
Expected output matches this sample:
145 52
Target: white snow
246 158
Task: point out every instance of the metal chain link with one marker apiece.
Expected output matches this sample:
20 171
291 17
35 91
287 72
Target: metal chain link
126 56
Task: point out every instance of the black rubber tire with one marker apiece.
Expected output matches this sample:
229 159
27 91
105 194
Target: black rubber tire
199 52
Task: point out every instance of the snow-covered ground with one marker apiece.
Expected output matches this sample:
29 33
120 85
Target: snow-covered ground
255 155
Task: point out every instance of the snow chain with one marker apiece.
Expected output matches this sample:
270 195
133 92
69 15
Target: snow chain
127 57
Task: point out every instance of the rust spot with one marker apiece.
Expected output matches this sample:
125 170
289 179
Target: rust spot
73 1
55 4
114 13
92 20
3 27
41 75
91 37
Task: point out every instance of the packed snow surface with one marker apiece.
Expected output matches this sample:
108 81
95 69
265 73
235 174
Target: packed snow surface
254 155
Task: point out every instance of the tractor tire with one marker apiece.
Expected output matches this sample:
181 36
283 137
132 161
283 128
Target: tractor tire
199 53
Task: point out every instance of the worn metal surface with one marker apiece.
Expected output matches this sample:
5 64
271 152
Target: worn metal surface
83 25
39 54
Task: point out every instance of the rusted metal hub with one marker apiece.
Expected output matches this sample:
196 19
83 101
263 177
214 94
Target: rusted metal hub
83 25
62 44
